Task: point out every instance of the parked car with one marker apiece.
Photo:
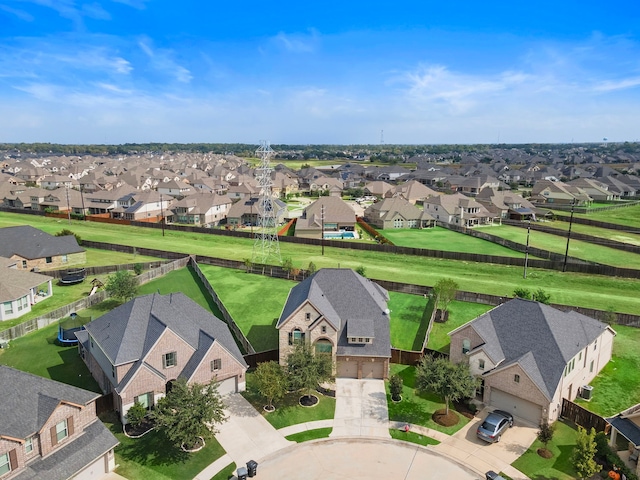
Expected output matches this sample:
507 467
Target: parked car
494 426
491 475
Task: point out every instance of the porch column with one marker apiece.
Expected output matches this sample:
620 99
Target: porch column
50 288
614 437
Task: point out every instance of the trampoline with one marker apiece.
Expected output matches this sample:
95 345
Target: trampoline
68 327
71 277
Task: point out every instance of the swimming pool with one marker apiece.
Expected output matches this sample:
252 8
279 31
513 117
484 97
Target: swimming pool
340 235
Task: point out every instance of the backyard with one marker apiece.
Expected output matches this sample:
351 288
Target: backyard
629 216
459 314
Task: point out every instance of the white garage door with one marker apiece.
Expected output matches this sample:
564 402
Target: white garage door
347 369
373 370
94 471
228 386
519 407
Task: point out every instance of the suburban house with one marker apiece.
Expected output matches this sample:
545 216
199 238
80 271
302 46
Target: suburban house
530 356
343 314
627 424
50 430
413 191
33 248
201 209
558 193
378 188
137 350
397 212
458 209
328 214
503 204
20 289
142 206
247 211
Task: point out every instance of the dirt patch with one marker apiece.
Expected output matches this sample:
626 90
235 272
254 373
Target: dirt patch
309 400
544 453
464 410
441 418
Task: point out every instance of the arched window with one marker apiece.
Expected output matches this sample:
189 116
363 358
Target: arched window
324 346
296 336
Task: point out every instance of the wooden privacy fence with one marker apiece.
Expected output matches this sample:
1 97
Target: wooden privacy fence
253 359
104 403
91 271
583 417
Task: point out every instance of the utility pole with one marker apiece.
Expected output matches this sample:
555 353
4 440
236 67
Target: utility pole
322 235
162 215
68 207
84 212
566 253
526 250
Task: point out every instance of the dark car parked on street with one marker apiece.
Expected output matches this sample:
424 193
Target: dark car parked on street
494 426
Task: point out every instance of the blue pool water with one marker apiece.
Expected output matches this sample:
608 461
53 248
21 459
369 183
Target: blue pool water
339 235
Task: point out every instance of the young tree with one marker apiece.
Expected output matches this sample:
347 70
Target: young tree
287 265
247 264
122 285
306 370
395 387
445 290
189 411
66 232
545 434
522 293
136 414
541 296
361 270
451 381
271 382
584 453
312 268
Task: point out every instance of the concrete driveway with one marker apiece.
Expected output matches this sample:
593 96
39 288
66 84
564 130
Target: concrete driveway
467 447
361 409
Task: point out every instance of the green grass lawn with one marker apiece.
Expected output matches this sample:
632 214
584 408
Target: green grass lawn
98 258
254 301
38 353
412 437
417 408
459 314
558 467
406 316
565 288
617 386
623 216
310 435
288 410
152 457
616 235
577 248
226 473
439 238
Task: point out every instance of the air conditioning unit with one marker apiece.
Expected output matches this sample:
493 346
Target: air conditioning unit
586 392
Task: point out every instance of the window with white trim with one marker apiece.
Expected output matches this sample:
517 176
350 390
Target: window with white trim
481 364
61 430
28 445
216 364
8 307
169 360
5 464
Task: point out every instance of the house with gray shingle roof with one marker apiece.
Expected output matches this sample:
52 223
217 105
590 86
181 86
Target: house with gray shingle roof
33 248
19 289
50 430
343 314
140 348
530 356
397 212
328 214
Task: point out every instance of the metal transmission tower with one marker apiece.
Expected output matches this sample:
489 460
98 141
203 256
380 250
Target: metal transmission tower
266 246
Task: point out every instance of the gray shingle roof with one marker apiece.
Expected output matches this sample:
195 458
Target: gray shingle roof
540 338
27 401
72 457
343 296
30 243
627 428
16 283
127 332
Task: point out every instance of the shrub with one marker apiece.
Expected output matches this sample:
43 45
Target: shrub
541 296
395 387
136 414
522 293
312 268
361 270
66 232
137 268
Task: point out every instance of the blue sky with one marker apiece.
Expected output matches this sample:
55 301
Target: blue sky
335 72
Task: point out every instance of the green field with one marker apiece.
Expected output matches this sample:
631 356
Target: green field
439 238
591 291
629 216
616 235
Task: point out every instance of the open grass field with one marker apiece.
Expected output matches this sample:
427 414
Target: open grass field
623 216
577 248
439 238
558 467
152 456
565 288
288 411
616 235
417 408
459 314
617 387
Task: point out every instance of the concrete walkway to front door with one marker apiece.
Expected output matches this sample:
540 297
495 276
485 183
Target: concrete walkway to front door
361 409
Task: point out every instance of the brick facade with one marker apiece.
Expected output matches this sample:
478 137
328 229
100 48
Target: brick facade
57 261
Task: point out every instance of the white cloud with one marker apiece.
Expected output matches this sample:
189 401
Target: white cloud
21 14
161 60
298 43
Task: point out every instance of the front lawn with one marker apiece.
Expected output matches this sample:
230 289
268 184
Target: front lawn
288 410
417 408
39 354
406 317
559 466
459 314
412 437
152 457
254 301
310 435
226 473
617 386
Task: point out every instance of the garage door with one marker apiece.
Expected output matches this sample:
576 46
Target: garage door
519 407
373 370
93 472
228 386
347 369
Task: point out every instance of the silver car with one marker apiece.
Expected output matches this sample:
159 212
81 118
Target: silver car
494 426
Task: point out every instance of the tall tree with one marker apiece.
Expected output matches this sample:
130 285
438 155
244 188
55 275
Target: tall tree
451 381
306 370
584 453
271 382
189 411
122 285
445 290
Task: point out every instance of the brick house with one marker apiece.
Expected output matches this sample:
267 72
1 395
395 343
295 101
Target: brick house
50 430
328 214
139 349
19 290
397 212
33 248
341 313
530 356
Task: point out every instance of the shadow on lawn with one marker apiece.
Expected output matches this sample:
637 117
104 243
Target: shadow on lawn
73 371
265 335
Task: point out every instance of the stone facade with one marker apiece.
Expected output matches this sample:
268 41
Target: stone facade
51 263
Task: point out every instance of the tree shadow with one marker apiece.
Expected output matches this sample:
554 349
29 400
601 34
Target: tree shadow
154 449
72 371
263 335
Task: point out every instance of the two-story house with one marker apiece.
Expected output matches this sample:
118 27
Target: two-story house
530 356
340 313
50 430
458 209
139 349
201 209
19 289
